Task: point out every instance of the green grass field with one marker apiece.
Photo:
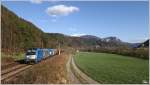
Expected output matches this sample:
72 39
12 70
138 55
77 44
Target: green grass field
113 69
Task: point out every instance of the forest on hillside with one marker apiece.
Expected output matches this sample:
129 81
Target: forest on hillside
19 34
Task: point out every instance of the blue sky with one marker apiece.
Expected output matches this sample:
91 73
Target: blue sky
127 20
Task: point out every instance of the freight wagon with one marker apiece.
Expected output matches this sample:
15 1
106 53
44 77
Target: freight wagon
37 54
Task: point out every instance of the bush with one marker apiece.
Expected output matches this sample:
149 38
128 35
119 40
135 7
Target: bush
133 52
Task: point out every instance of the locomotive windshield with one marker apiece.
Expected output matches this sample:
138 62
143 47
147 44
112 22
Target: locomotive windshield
31 52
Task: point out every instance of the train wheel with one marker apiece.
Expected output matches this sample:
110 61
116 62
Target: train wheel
36 61
26 62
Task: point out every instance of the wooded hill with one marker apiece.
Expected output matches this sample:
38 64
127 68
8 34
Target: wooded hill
19 34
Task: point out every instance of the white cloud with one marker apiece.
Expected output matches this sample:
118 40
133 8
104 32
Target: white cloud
78 34
36 1
61 10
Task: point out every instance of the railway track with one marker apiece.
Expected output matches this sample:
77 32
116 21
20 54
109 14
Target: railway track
5 66
9 73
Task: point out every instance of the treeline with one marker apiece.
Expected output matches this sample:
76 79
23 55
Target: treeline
18 34
133 52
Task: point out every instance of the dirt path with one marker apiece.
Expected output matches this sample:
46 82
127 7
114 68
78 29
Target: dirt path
75 75
71 77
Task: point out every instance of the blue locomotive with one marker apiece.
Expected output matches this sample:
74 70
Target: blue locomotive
37 54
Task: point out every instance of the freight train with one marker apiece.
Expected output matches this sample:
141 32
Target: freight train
37 54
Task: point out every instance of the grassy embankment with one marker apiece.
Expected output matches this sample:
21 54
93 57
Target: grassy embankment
11 58
49 71
112 68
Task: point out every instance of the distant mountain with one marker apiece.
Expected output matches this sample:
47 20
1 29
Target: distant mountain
144 44
90 37
104 42
111 39
133 45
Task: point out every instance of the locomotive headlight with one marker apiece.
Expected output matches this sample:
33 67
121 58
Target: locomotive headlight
26 56
30 56
50 53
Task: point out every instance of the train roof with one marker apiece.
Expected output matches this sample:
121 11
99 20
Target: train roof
40 48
